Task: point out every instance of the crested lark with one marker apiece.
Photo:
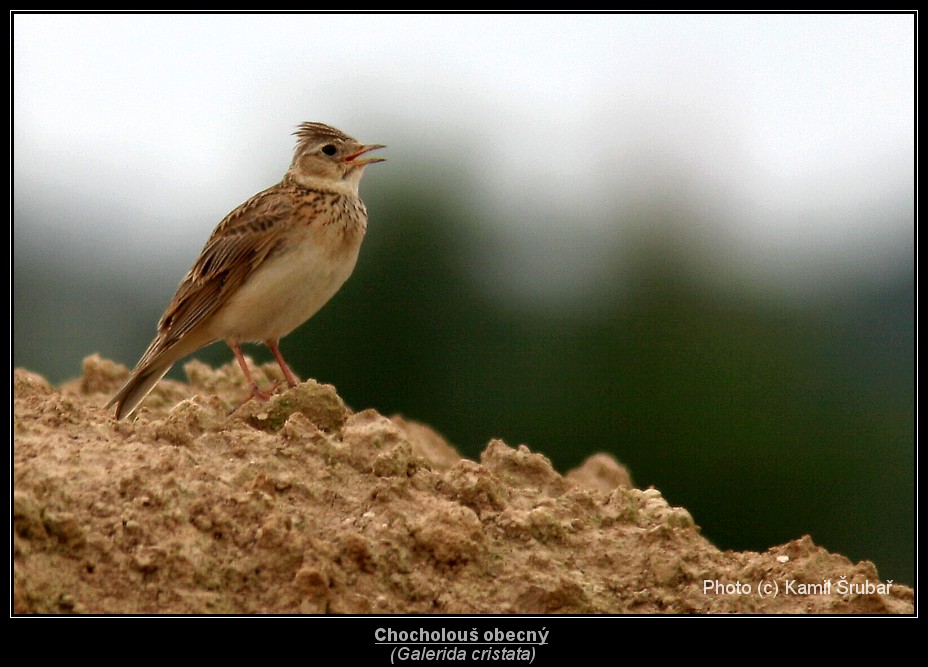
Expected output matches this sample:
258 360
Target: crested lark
270 265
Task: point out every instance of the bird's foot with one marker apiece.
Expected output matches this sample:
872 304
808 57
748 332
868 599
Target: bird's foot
256 392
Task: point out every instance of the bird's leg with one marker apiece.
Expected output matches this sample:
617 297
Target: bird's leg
291 378
256 391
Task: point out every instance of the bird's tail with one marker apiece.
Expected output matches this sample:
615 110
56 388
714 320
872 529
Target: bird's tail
137 387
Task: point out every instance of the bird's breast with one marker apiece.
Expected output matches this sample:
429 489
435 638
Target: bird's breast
308 266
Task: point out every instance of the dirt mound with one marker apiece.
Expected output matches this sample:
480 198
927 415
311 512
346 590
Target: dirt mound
300 505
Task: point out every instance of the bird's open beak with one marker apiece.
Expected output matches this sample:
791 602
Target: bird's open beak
355 162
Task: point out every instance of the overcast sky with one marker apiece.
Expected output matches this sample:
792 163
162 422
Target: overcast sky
798 129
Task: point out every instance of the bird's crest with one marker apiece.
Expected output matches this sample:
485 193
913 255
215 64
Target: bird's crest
307 133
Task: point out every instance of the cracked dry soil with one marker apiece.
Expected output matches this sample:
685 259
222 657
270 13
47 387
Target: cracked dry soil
302 506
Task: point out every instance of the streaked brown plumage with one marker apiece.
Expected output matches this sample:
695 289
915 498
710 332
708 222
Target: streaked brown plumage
269 266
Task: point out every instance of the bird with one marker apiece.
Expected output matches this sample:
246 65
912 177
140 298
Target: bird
269 265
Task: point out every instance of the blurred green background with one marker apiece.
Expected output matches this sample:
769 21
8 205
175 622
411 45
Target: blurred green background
765 382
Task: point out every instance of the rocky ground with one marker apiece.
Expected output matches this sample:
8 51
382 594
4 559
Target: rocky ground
302 506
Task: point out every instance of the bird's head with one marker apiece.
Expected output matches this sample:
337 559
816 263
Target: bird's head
326 158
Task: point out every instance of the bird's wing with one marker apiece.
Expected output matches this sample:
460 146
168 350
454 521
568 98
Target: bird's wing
241 242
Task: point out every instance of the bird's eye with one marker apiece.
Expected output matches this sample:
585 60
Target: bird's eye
329 149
